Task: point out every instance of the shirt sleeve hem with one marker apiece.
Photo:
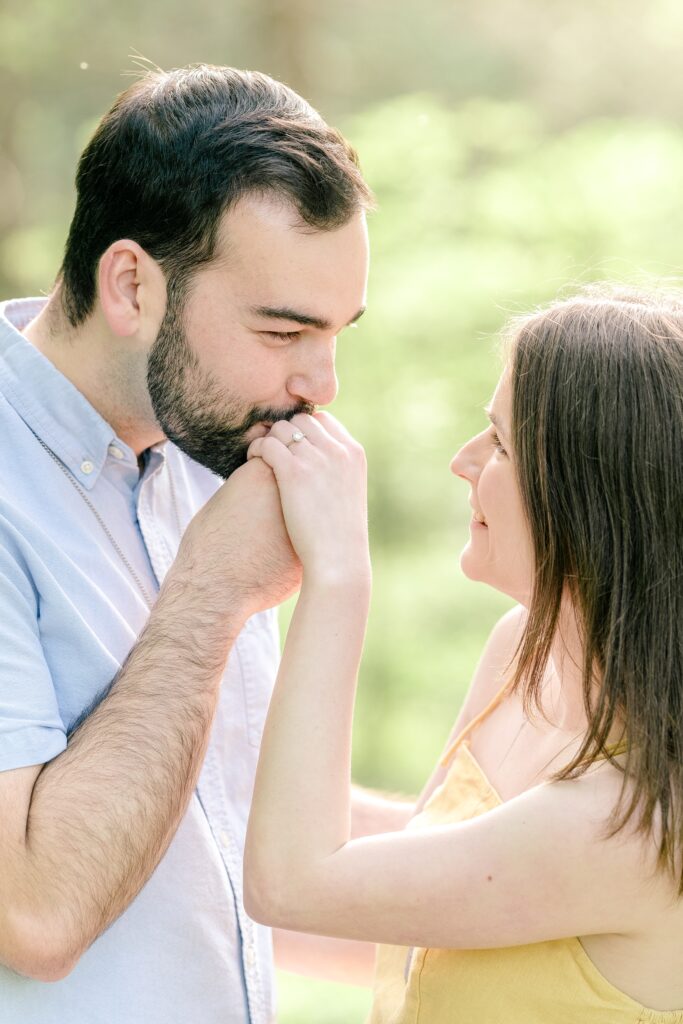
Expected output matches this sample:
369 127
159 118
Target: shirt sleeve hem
37 753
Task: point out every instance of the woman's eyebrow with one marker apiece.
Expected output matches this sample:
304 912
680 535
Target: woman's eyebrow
494 419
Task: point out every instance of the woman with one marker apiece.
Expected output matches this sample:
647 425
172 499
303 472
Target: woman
540 879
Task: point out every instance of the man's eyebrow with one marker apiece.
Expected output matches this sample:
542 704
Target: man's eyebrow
297 317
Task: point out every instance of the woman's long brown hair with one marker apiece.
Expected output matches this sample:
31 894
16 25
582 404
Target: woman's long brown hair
597 430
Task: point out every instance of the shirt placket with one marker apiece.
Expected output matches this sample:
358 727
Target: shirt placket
161 556
209 784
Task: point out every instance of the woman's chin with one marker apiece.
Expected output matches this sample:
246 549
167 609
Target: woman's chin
479 572
471 565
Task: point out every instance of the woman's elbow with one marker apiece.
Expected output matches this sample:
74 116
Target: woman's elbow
266 903
273 896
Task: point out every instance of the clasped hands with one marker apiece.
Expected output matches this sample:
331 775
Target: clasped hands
296 506
321 475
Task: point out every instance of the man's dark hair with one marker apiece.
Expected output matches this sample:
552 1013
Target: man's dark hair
178 149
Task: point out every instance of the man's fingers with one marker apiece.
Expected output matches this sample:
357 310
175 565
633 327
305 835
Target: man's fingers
272 451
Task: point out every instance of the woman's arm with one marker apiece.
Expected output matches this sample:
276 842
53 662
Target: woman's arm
343 960
535 868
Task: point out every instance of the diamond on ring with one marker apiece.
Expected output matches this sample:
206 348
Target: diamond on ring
298 435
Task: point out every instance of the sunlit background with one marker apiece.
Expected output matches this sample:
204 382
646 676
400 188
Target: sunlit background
517 148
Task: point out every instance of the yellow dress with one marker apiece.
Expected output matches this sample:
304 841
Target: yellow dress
542 983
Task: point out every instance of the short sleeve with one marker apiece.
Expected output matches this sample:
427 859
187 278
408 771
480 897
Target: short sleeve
31 729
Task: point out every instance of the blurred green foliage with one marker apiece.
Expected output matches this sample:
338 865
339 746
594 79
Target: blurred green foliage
304 1000
509 177
483 212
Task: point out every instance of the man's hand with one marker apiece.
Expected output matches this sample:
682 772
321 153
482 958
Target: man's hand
238 546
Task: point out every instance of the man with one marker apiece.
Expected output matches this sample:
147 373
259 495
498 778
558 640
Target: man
217 249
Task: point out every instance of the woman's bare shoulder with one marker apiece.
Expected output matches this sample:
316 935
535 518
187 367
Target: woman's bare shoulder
497 661
493 669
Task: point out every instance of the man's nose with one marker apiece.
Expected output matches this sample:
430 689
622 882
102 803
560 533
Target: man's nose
316 383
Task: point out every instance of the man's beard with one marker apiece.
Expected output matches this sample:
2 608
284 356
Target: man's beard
192 409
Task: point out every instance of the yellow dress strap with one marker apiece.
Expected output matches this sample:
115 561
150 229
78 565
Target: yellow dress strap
612 751
618 748
472 725
505 690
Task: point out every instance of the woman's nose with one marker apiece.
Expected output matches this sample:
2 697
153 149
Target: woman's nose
466 463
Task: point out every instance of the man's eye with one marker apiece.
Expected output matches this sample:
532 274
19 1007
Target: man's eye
284 335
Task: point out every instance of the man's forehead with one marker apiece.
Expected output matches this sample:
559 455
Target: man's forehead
258 211
276 271
270 218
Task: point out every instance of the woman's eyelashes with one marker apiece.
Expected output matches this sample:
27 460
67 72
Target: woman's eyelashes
495 440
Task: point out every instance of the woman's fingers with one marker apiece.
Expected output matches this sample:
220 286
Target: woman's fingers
321 476
321 429
290 434
332 427
272 451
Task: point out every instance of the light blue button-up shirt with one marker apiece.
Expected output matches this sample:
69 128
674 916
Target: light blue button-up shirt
184 952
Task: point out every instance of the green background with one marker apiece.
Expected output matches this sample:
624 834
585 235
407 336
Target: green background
518 149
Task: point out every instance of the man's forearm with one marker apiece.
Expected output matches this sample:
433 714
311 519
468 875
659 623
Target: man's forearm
103 813
85 832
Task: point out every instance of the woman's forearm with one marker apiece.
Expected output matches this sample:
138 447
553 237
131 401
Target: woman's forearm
301 808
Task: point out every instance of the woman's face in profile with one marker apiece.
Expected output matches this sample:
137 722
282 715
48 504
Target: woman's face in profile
499 551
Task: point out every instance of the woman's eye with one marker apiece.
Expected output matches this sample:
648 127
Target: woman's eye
496 442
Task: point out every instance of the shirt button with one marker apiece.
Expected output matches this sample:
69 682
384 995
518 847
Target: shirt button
87 466
115 451
250 955
224 839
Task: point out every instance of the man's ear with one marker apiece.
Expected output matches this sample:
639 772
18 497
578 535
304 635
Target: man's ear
131 290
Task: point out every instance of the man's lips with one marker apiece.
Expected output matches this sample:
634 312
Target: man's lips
258 430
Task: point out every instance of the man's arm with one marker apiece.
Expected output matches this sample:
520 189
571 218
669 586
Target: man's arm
82 834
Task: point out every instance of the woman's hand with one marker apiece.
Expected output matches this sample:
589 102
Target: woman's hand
322 481
301 805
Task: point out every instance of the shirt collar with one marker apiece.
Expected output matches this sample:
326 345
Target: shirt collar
50 405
